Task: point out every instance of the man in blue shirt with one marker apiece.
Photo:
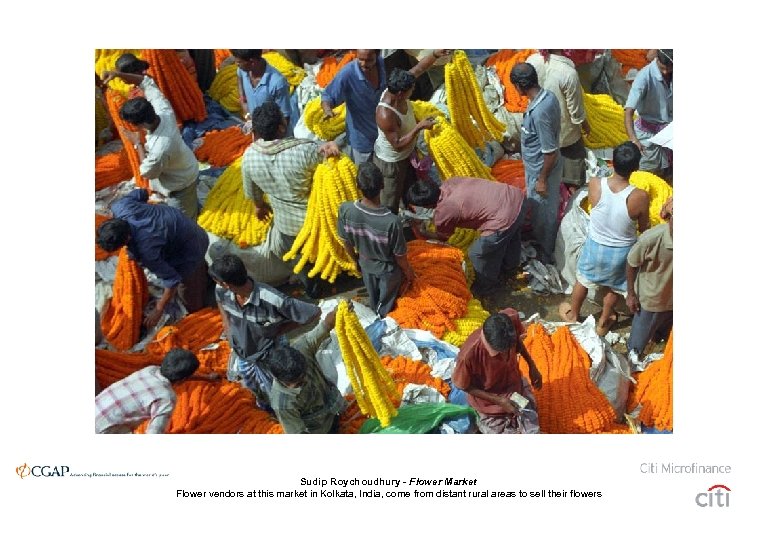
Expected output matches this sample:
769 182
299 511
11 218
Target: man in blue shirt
360 84
163 240
541 157
259 82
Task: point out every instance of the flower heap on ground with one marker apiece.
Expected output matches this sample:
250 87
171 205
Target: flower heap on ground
105 60
318 241
176 84
503 61
326 129
222 147
224 88
654 392
331 66
569 401
374 389
404 370
439 294
606 119
114 101
473 319
229 214
470 116
289 71
111 169
122 318
656 187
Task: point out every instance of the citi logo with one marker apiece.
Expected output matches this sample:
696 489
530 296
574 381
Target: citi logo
714 497
25 470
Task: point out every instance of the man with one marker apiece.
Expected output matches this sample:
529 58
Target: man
259 82
147 394
303 400
649 269
486 369
359 84
374 238
255 317
557 74
282 168
165 159
651 98
398 129
493 208
539 136
618 209
165 241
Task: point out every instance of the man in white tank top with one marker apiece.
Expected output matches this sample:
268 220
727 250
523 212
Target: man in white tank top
618 208
397 131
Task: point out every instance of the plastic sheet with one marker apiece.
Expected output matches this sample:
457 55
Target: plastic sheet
415 419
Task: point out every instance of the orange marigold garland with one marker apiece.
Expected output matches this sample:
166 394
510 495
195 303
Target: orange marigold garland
221 148
111 366
330 66
504 60
405 371
654 393
122 319
220 55
569 401
510 171
630 58
176 84
115 100
112 169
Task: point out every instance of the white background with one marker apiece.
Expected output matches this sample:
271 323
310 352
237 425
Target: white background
724 344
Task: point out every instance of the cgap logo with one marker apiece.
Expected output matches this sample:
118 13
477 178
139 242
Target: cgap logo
715 496
25 470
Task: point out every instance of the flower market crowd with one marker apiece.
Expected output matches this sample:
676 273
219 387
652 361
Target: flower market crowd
301 241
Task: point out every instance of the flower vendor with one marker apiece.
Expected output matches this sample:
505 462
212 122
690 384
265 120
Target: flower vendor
374 237
486 369
255 317
259 82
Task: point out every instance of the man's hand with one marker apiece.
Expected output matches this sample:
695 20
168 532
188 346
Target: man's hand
440 53
427 123
133 136
507 404
541 186
639 145
108 76
153 318
261 212
585 127
330 149
329 322
536 378
633 302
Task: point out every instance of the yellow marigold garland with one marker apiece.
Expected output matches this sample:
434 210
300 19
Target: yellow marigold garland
655 186
470 116
654 393
472 320
290 71
228 213
325 129
426 109
374 389
105 60
605 116
452 154
318 241
224 88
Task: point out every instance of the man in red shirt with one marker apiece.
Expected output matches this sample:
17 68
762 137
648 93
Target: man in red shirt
486 369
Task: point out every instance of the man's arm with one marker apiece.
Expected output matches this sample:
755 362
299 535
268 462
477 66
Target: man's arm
639 208
533 371
335 93
631 299
245 113
309 342
291 421
547 167
387 121
635 96
549 129
153 317
425 64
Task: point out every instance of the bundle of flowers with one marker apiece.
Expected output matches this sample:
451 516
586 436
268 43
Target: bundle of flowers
330 66
105 60
121 321
630 58
224 88
503 61
175 82
452 154
653 392
112 169
510 171
472 320
222 147
405 371
606 119
115 100
326 129
294 74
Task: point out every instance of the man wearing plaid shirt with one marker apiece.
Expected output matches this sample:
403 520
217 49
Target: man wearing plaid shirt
147 394
282 170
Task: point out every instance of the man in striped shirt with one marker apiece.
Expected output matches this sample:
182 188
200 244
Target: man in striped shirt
147 394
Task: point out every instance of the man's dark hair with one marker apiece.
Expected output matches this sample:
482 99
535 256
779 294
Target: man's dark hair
229 269
178 364
129 63
523 76
286 364
625 158
113 234
266 120
399 81
665 56
369 179
423 193
247 54
138 111
499 332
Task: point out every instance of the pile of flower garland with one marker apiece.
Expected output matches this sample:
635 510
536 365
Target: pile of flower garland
452 154
229 214
111 366
222 147
220 55
606 119
375 391
510 171
404 370
656 187
325 129
426 109
462 238
503 61
318 241
330 66
464 326
653 392
630 58
100 253
224 88
439 295
470 116
193 332
569 401
112 169
176 84
105 60
114 101
289 71
122 319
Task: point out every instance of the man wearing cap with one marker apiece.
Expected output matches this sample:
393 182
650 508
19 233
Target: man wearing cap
165 158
